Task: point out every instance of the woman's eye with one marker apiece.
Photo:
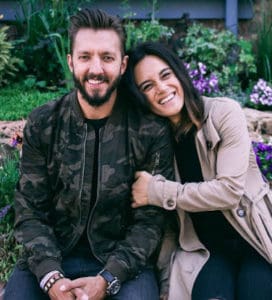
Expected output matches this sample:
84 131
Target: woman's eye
146 88
166 75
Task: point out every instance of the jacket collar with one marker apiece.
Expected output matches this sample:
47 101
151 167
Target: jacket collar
77 116
208 135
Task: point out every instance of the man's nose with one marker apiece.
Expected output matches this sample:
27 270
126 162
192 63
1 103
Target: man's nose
96 66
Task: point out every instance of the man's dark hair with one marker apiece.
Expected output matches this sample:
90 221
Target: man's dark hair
95 19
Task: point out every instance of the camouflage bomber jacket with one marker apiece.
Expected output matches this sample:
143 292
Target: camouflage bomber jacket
52 202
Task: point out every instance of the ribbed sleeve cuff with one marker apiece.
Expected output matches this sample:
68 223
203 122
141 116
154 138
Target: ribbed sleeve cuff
47 266
117 269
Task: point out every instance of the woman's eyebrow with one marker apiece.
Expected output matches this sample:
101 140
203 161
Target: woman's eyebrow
165 69
160 73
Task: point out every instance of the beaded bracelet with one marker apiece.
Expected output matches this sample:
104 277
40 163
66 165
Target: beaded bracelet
52 281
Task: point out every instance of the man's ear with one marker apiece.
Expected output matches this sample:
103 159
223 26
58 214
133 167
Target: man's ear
124 64
70 62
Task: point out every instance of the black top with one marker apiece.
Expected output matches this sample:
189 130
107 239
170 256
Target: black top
211 226
83 244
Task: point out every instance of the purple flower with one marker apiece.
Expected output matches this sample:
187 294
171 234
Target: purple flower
16 141
204 83
261 93
263 154
4 211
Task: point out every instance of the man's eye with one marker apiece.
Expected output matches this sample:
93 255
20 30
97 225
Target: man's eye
108 58
83 57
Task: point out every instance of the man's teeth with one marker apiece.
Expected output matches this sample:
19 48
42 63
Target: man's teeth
93 81
167 99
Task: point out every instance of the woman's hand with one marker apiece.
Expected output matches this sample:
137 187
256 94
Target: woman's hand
139 189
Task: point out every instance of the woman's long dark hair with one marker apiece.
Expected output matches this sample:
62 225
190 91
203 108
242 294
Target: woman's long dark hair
192 113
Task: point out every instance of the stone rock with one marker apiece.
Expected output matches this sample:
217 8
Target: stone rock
259 124
9 128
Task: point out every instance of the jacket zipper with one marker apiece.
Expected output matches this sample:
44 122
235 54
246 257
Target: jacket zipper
156 163
96 198
76 239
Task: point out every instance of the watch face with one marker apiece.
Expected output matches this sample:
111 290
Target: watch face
114 287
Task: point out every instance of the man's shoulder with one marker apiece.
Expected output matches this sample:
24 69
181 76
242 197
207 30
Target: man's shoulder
51 108
141 120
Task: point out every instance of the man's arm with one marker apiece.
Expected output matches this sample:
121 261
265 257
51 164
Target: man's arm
32 205
145 232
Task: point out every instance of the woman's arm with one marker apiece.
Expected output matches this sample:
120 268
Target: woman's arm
218 193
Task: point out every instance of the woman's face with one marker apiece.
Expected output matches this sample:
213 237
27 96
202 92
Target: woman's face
156 80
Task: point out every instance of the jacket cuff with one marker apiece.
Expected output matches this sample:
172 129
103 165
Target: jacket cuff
162 192
47 266
117 269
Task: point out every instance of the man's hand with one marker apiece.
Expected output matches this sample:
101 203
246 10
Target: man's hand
139 189
56 293
94 288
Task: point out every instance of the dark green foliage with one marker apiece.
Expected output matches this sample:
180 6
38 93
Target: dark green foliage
229 57
9 249
264 44
9 65
44 42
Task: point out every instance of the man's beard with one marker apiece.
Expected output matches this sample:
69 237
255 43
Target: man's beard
95 99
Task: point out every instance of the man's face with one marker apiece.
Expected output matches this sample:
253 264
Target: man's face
97 65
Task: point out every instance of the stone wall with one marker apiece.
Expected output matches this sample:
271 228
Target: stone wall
259 126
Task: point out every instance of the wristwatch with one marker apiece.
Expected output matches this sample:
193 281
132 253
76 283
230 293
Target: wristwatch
114 284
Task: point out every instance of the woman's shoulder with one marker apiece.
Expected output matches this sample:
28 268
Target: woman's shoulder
221 105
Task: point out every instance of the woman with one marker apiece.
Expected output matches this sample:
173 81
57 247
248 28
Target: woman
220 255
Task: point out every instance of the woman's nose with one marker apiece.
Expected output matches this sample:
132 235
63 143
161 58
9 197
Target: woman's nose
161 87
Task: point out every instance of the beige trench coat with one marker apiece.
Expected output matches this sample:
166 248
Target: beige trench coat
231 177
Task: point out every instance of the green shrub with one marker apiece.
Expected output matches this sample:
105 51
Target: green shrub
146 31
43 28
9 249
17 101
142 31
264 44
8 65
230 58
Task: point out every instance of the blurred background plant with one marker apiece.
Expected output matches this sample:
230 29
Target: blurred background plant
9 249
204 83
263 151
9 64
230 58
263 47
43 31
150 30
261 95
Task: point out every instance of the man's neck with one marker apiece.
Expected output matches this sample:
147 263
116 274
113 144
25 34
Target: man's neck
96 112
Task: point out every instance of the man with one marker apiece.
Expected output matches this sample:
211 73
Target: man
82 240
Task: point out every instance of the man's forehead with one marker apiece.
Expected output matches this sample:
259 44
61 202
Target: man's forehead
106 39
